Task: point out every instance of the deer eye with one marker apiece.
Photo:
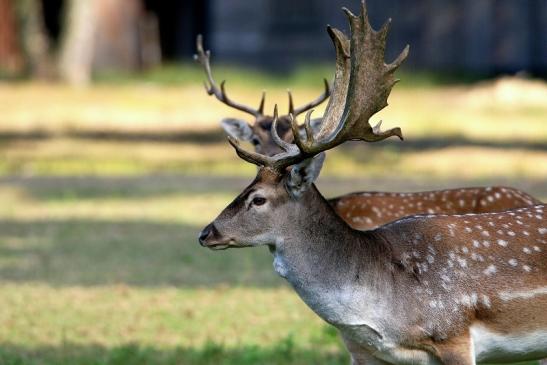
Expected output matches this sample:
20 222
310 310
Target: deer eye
255 141
258 200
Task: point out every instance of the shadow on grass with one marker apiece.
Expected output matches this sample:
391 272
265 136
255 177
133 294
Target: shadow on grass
201 137
94 252
422 144
81 188
284 352
123 187
218 136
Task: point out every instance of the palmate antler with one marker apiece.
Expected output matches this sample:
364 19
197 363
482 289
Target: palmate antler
361 88
203 58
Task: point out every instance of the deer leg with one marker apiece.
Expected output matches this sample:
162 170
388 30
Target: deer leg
543 362
456 351
360 355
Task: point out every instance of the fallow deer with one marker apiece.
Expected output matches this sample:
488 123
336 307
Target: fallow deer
361 210
426 289
257 133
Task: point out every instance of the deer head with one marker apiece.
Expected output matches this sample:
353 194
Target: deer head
362 85
257 132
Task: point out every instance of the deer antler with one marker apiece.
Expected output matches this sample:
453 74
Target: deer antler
290 155
202 57
364 94
362 85
312 104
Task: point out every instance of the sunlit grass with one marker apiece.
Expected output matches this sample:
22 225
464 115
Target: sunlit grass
168 207
158 317
93 273
507 109
88 157
160 325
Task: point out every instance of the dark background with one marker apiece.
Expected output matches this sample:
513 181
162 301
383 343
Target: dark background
485 37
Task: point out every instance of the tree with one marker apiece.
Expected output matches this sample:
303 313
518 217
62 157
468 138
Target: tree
10 51
34 39
76 58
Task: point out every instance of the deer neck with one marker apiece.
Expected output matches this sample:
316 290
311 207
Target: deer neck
336 270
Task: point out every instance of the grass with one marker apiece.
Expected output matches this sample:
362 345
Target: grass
62 156
108 271
103 191
303 76
283 352
507 110
96 272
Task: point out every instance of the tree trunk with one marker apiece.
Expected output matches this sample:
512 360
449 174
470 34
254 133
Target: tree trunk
34 38
127 37
10 52
77 52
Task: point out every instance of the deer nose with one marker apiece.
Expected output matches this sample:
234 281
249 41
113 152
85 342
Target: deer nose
206 232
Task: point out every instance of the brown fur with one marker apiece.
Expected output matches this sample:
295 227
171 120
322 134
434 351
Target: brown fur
454 351
368 210
480 257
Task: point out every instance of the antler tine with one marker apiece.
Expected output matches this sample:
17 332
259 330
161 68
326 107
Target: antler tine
280 161
249 156
285 146
362 84
262 101
312 104
277 162
291 103
203 58
302 144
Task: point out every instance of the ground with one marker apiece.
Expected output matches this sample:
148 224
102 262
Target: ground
104 190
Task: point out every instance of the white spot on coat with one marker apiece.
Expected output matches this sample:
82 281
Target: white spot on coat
491 269
524 294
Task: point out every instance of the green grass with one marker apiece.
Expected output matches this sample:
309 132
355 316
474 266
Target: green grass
284 352
303 76
99 262
465 159
107 271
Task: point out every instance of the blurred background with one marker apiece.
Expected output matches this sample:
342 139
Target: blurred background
112 160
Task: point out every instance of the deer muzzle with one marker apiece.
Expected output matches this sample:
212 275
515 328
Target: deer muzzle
211 238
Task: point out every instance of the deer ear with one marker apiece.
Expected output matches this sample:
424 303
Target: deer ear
238 129
301 176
